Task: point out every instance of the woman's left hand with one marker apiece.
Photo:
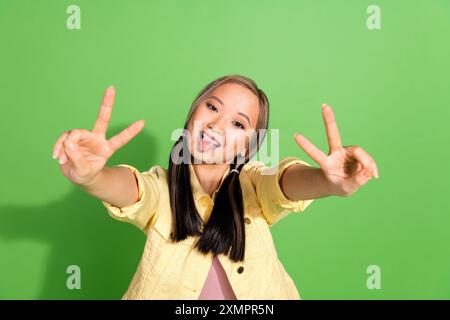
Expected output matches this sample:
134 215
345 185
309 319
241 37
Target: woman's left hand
346 168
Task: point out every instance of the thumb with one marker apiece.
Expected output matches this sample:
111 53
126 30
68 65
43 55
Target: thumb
74 154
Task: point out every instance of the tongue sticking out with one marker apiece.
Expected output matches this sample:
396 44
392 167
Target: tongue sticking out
206 146
206 143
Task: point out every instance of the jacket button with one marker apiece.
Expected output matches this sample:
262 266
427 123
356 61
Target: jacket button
247 220
240 269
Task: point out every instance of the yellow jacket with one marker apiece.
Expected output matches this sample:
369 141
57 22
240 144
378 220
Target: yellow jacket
177 270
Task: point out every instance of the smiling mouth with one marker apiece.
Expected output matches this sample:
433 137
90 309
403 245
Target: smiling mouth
206 142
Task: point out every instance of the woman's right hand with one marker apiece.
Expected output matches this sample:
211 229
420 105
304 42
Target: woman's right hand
82 153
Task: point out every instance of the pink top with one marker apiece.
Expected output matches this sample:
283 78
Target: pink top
217 286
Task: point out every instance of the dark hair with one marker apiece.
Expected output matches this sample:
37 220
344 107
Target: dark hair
223 231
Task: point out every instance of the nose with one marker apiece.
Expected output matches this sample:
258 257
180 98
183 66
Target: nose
217 125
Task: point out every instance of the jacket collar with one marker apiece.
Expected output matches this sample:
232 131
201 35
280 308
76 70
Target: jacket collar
200 196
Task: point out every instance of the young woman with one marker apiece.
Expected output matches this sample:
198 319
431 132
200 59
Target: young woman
207 216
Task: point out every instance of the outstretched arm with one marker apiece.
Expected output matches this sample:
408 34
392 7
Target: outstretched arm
342 172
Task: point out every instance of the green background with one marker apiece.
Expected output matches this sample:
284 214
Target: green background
389 89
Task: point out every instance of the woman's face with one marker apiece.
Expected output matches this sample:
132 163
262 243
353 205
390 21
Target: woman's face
221 126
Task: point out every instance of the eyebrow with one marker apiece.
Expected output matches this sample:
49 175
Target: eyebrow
242 114
245 116
214 97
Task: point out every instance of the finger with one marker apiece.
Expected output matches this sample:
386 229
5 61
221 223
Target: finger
122 138
311 150
61 152
104 114
75 155
58 144
62 156
364 158
362 177
352 167
74 136
334 139
77 135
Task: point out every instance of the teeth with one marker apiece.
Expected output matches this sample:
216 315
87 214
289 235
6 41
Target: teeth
216 144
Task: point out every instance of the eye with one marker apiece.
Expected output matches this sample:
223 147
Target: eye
238 124
211 107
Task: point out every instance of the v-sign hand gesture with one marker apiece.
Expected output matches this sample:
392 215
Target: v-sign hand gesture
83 154
346 168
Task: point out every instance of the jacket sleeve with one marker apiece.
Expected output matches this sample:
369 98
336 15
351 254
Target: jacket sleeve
142 212
266 182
